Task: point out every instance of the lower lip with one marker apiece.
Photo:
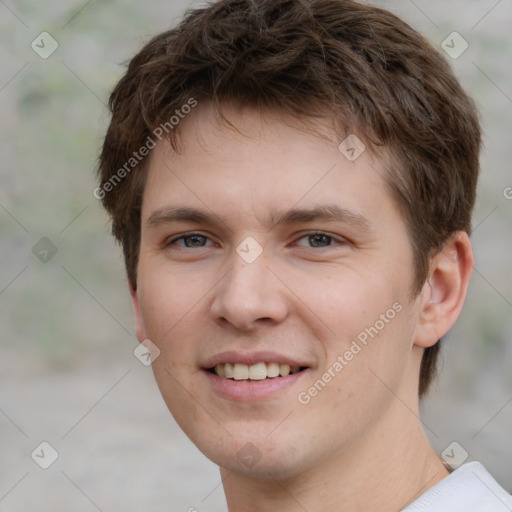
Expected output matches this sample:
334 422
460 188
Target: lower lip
247 391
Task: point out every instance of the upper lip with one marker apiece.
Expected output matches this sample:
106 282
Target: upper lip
250 358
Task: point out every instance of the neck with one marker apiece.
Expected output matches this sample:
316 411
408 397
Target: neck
385 470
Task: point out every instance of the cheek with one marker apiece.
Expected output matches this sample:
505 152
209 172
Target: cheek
167 299
169 306
360 378
365 323
348 301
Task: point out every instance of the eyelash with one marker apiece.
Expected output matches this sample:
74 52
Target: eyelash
171 242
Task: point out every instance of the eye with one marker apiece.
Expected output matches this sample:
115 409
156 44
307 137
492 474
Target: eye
319 240
189 240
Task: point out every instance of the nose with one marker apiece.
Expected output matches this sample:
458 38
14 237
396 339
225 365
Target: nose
249 296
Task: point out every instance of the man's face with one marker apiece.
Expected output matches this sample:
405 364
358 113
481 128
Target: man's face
334 278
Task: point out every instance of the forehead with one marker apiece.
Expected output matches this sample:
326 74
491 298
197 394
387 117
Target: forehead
262 165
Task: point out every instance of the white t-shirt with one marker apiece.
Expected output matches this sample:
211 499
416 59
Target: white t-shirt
470 488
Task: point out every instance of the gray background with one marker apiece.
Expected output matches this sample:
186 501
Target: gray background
68 375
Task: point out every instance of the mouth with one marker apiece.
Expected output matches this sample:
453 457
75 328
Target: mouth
242 376
254 372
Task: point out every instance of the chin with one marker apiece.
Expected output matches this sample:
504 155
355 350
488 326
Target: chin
262 459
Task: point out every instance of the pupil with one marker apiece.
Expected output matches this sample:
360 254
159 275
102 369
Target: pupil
194 241
319 240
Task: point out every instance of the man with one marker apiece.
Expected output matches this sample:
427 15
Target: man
292 184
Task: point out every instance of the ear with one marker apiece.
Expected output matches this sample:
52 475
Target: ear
140 329
443 295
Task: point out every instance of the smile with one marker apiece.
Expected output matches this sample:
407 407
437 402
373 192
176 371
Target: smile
248 376
258 371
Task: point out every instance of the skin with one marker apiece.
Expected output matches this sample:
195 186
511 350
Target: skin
359 443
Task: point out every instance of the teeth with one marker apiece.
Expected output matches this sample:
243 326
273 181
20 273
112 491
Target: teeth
272 370
284 370
258 371
240 371
228 370
220 370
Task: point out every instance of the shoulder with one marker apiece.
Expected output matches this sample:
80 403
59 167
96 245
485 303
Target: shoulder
469 488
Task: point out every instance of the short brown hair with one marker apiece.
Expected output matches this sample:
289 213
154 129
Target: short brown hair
358 64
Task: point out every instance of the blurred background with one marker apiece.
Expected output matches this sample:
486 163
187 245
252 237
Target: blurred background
68 375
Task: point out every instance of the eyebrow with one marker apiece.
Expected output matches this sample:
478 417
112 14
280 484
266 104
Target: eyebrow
326 213
329 213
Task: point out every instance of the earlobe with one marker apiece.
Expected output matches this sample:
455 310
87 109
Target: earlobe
444 292
140 329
